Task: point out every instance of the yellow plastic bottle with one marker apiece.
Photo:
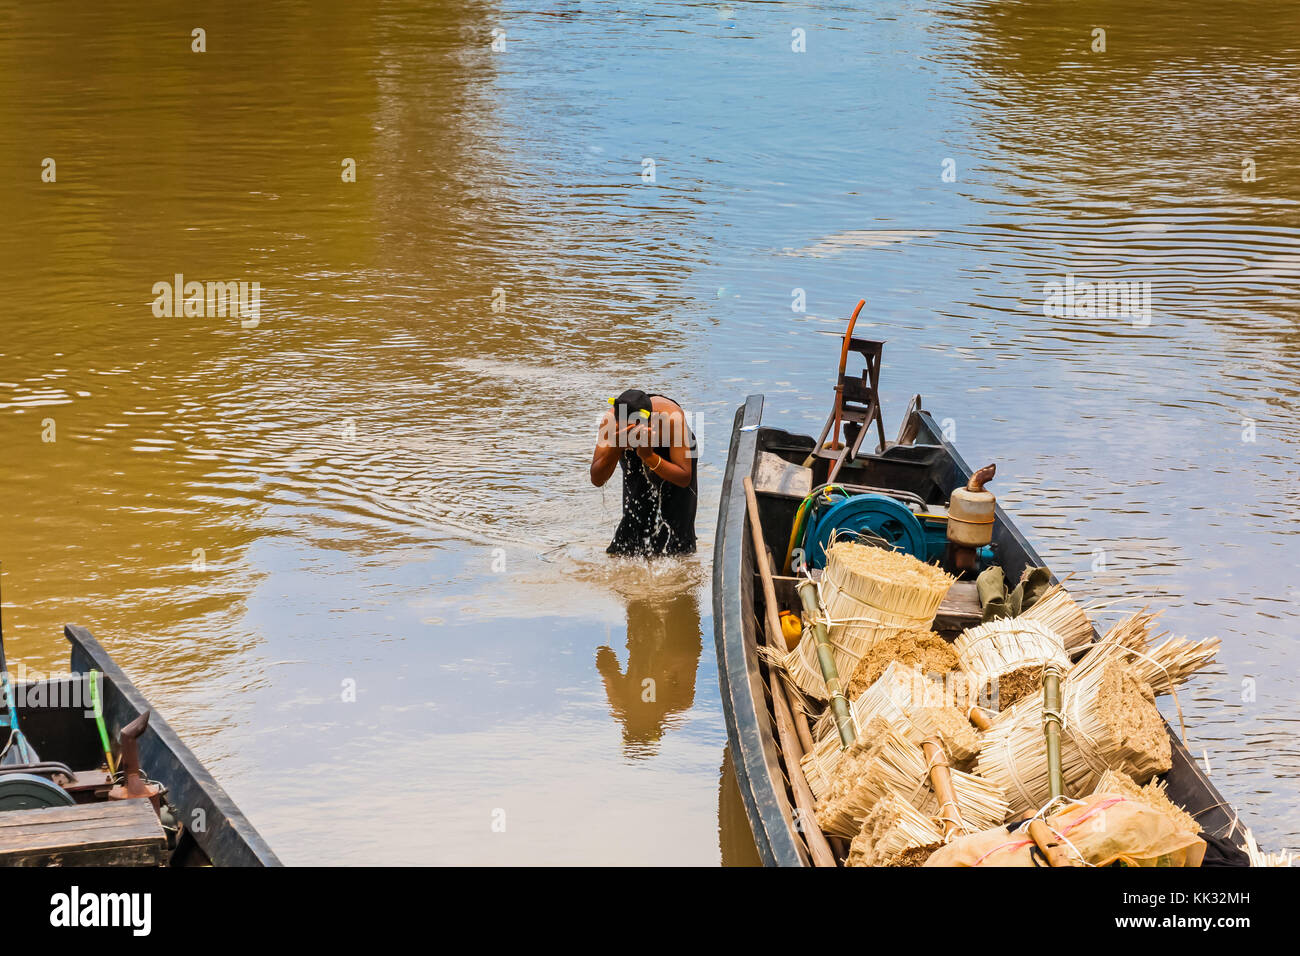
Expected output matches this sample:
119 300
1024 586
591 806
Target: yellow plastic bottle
791 629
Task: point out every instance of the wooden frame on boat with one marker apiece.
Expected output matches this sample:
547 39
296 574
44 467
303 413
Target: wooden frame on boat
921 463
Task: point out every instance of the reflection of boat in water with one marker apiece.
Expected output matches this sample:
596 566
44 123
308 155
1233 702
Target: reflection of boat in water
921 468
735 841
161 807
657 685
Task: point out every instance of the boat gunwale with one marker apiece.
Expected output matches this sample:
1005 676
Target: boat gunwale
740 680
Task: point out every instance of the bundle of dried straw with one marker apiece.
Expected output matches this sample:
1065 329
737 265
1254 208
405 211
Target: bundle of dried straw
926 651
1164 667
1006 657
1110 723
917 707
883 700
884 761
894 833
1153 795
866 594
952 728
1059 613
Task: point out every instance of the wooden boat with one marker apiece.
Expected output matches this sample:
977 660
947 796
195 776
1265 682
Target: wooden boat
200 824
920 463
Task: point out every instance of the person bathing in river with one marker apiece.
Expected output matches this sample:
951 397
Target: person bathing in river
647 436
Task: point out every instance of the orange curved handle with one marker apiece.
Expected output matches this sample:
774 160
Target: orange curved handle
853 320
844 362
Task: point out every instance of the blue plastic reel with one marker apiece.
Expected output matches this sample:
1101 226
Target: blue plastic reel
873 514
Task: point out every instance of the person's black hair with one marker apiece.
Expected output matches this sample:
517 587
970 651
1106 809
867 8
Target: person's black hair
630 403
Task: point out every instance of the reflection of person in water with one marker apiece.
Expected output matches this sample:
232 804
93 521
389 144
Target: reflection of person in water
663 654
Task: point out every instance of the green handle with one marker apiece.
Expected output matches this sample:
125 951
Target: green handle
99 719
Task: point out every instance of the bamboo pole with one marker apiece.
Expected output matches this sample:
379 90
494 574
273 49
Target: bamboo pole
977 717
1048 845
941 781
1052 728
818 847
803 731
1039 831
801 727
760 557
839 703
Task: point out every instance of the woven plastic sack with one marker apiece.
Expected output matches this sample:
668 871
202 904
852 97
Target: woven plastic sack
1105 829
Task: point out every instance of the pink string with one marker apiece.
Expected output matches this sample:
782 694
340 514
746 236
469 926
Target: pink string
1017 844
1097 809
1013 844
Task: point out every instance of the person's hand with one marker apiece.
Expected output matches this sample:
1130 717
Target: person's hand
639 439
606 662
611 434
606 432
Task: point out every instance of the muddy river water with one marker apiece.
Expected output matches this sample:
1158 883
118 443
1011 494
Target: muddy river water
349 546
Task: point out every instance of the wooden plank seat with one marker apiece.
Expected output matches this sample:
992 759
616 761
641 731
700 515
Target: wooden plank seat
112 833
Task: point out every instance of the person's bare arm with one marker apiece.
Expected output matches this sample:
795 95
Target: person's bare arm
605 458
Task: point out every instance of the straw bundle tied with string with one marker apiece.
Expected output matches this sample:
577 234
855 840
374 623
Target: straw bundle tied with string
926 651
894 833
1109 722
1059 613
953 730
880 701
883 760
1006 657
910 701
866 594
1163 668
